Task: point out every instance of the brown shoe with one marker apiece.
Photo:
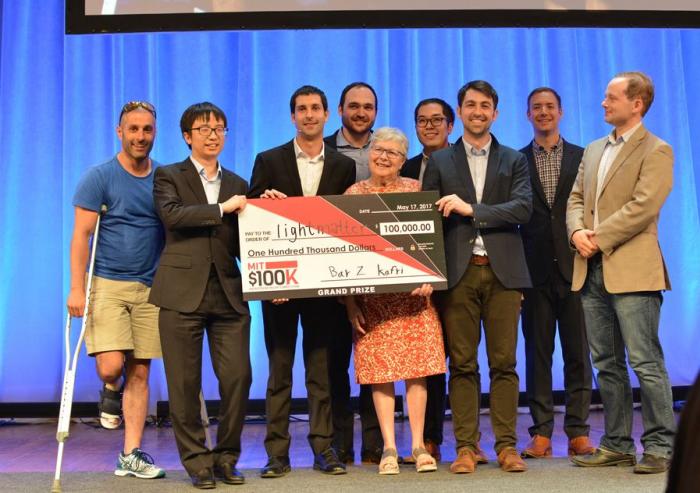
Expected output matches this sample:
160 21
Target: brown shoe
465 461
510 460
480 455
433 449
580 446
538 448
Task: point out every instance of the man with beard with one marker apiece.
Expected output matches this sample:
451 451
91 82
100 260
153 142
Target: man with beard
358 111
122 330
485 195
301 167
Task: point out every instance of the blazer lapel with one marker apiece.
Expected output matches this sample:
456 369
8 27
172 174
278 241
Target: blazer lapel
591 171
290 166
194 180
492 170
535 175
226 189
569 166
459 161
327 173
627 149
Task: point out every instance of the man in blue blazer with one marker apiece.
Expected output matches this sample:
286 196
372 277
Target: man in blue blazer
485 195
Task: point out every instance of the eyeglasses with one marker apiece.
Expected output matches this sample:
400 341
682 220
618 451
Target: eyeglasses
134 105
393 155
435 121
206 131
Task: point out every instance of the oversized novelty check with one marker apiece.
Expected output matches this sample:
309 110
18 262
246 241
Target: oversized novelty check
338 245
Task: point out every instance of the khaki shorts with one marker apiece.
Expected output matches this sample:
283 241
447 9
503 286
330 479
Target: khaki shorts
122 319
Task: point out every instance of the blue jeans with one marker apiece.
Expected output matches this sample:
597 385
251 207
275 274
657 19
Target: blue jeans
628 321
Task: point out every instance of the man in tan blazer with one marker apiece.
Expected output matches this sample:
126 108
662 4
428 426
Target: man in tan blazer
612 216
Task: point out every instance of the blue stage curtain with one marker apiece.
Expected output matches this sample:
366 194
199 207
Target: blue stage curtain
61 96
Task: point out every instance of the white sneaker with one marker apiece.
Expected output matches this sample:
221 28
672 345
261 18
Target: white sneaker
138 463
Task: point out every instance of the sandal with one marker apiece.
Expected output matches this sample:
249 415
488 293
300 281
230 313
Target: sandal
389 463
424 461
110 408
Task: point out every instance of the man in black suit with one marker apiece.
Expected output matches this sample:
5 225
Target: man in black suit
550 302
198 287
485 195
301 167
434 119
358 112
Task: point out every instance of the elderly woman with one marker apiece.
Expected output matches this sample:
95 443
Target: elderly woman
397 336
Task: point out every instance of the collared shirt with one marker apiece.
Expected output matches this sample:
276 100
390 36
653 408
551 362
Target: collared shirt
477 160
612 148
310 169
358 154
548 164
211 187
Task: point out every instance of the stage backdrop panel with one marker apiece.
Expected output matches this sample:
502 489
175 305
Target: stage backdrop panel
61 96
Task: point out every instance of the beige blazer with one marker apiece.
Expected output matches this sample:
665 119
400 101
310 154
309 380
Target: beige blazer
635 188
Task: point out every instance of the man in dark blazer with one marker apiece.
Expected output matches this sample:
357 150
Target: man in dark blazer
434 119
485 195
301 167
550 302
198 287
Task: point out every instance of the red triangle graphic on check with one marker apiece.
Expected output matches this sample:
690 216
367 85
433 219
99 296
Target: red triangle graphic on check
326 214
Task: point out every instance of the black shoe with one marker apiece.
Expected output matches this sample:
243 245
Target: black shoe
371 456
346 457
652 464
228 473
604 457
204 479
276 467
327 462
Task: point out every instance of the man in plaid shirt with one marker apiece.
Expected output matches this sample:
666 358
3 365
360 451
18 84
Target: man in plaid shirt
550 302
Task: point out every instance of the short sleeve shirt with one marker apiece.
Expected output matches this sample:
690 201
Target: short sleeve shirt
131 234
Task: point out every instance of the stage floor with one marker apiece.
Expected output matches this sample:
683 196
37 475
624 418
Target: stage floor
28 454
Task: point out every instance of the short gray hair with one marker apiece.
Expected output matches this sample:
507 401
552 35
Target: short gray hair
384 134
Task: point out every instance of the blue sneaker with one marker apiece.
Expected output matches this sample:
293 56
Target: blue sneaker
138 463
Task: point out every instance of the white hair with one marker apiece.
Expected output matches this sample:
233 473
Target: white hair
384 134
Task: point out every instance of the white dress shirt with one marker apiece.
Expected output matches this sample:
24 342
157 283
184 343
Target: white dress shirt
310 169
211 187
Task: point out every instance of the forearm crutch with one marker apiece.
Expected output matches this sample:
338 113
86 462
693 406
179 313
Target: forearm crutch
205 420
72 363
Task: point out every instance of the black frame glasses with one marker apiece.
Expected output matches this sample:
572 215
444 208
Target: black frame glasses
435 121
206 130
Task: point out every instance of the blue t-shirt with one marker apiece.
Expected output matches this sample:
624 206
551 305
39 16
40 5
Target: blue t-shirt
131 234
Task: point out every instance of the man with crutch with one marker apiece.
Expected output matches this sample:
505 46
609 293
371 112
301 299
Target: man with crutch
122 327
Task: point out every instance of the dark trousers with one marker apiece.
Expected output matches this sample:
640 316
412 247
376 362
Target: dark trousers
544 308
480 297
228 334
340 352
281 325
435 408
